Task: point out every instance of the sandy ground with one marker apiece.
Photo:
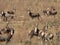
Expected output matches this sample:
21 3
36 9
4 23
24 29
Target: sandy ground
22 23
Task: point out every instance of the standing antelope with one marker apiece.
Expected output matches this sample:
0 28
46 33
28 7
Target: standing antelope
46 36
34 32
3 15
6 34
33 15
9 31
7 14
49 11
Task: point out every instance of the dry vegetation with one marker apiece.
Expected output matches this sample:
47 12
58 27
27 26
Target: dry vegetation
22 23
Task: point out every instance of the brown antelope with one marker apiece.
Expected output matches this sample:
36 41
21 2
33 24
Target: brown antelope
7 34
49 11
7 14
46 36
41 34
33 15
34 32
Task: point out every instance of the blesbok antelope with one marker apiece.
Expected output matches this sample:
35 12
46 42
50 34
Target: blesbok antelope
10 33
34 32
51 12
46 11
7 14
3 15
7 34
33 15
46 36
49 36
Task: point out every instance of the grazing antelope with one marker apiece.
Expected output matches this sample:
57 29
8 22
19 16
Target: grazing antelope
48 36
50 12
41 34
7 14
45 36
7 34
3 15
9 31
33 15
46 11
34 32
51 36
53 12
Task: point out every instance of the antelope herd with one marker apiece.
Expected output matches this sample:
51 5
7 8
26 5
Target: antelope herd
7 32
41 34
49 11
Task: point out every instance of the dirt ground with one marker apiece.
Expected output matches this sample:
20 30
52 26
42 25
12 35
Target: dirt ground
22 23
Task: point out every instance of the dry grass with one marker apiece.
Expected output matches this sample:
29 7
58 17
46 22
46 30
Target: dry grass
22 23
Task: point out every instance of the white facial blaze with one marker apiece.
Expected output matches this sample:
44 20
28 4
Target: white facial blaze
35 29
2 12
11 32
47 12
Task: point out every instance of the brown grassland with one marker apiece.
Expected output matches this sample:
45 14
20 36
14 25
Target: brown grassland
22 23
